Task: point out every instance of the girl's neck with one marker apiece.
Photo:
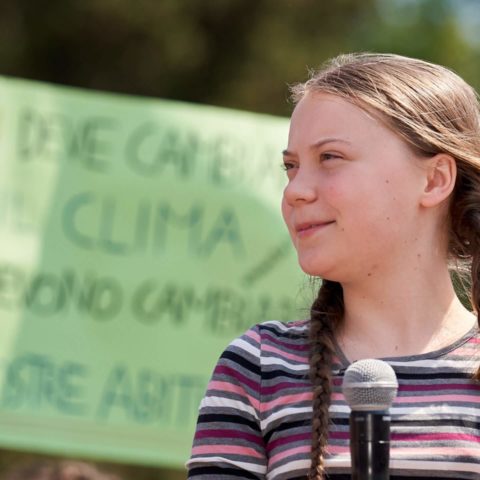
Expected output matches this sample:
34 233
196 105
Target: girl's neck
401 316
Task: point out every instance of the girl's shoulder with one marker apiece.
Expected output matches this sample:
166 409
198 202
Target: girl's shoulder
280 328
274 334
293 329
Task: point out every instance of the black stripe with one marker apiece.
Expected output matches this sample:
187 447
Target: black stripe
447 422
409 476
235 419
344 476
428 475
215 471
286 426
268 375
282 373
432 376
234 357
285 334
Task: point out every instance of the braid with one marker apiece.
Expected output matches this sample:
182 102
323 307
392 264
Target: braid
465 232
476 293
326 313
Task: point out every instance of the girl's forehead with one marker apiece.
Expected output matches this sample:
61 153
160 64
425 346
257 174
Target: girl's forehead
339 105
322 114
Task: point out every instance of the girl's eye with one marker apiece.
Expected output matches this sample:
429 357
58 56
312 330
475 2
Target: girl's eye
328 156
287 166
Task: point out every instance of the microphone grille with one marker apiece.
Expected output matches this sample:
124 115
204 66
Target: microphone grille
369 385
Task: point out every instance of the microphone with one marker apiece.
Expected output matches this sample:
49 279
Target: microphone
369 387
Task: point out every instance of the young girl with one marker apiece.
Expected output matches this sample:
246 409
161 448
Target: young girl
382 201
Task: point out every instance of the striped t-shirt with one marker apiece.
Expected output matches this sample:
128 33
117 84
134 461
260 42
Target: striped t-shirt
255 420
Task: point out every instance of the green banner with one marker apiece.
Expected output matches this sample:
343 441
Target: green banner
138 237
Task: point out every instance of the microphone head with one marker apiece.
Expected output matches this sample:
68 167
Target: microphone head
369 385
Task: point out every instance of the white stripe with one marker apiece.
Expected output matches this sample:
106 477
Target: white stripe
229 403
286 412
275 323
338 461
447 411
286 328
339 409
343 461
247 347
289 467
419 414
435 465
435 363
438 430
249 467
279 361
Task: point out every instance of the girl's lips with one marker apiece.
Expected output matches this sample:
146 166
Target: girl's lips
307 229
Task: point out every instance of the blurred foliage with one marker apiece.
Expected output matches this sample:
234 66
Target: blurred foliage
235 53
12 463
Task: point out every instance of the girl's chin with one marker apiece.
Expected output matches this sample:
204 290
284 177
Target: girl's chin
316 269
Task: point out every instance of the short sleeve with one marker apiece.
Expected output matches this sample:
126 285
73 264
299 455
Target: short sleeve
228 441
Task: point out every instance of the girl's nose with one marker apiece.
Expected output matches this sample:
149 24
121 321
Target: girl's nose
300 189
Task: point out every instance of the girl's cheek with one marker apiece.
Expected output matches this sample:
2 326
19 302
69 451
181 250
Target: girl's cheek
335 191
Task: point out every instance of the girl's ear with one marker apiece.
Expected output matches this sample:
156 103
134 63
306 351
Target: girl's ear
440 175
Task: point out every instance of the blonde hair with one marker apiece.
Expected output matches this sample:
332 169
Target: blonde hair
434 111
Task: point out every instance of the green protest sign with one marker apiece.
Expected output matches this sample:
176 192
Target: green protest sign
138 237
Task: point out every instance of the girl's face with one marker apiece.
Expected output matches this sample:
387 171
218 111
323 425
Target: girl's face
351 204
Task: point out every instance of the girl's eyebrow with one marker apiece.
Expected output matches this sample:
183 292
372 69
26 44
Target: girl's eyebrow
323 141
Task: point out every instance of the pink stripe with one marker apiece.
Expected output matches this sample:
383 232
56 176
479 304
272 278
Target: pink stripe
230 387
289 439
282 386
300 348
253 334
438 386
230 372
338 449
286 400
282 354
288 453
225 449
434 451
406 437
397 452
464 351
437 399
234 434
338 397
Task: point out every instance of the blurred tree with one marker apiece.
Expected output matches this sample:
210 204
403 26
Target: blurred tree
22 465
428 29
236 53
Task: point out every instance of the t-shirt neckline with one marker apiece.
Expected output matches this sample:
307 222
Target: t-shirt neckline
420 356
